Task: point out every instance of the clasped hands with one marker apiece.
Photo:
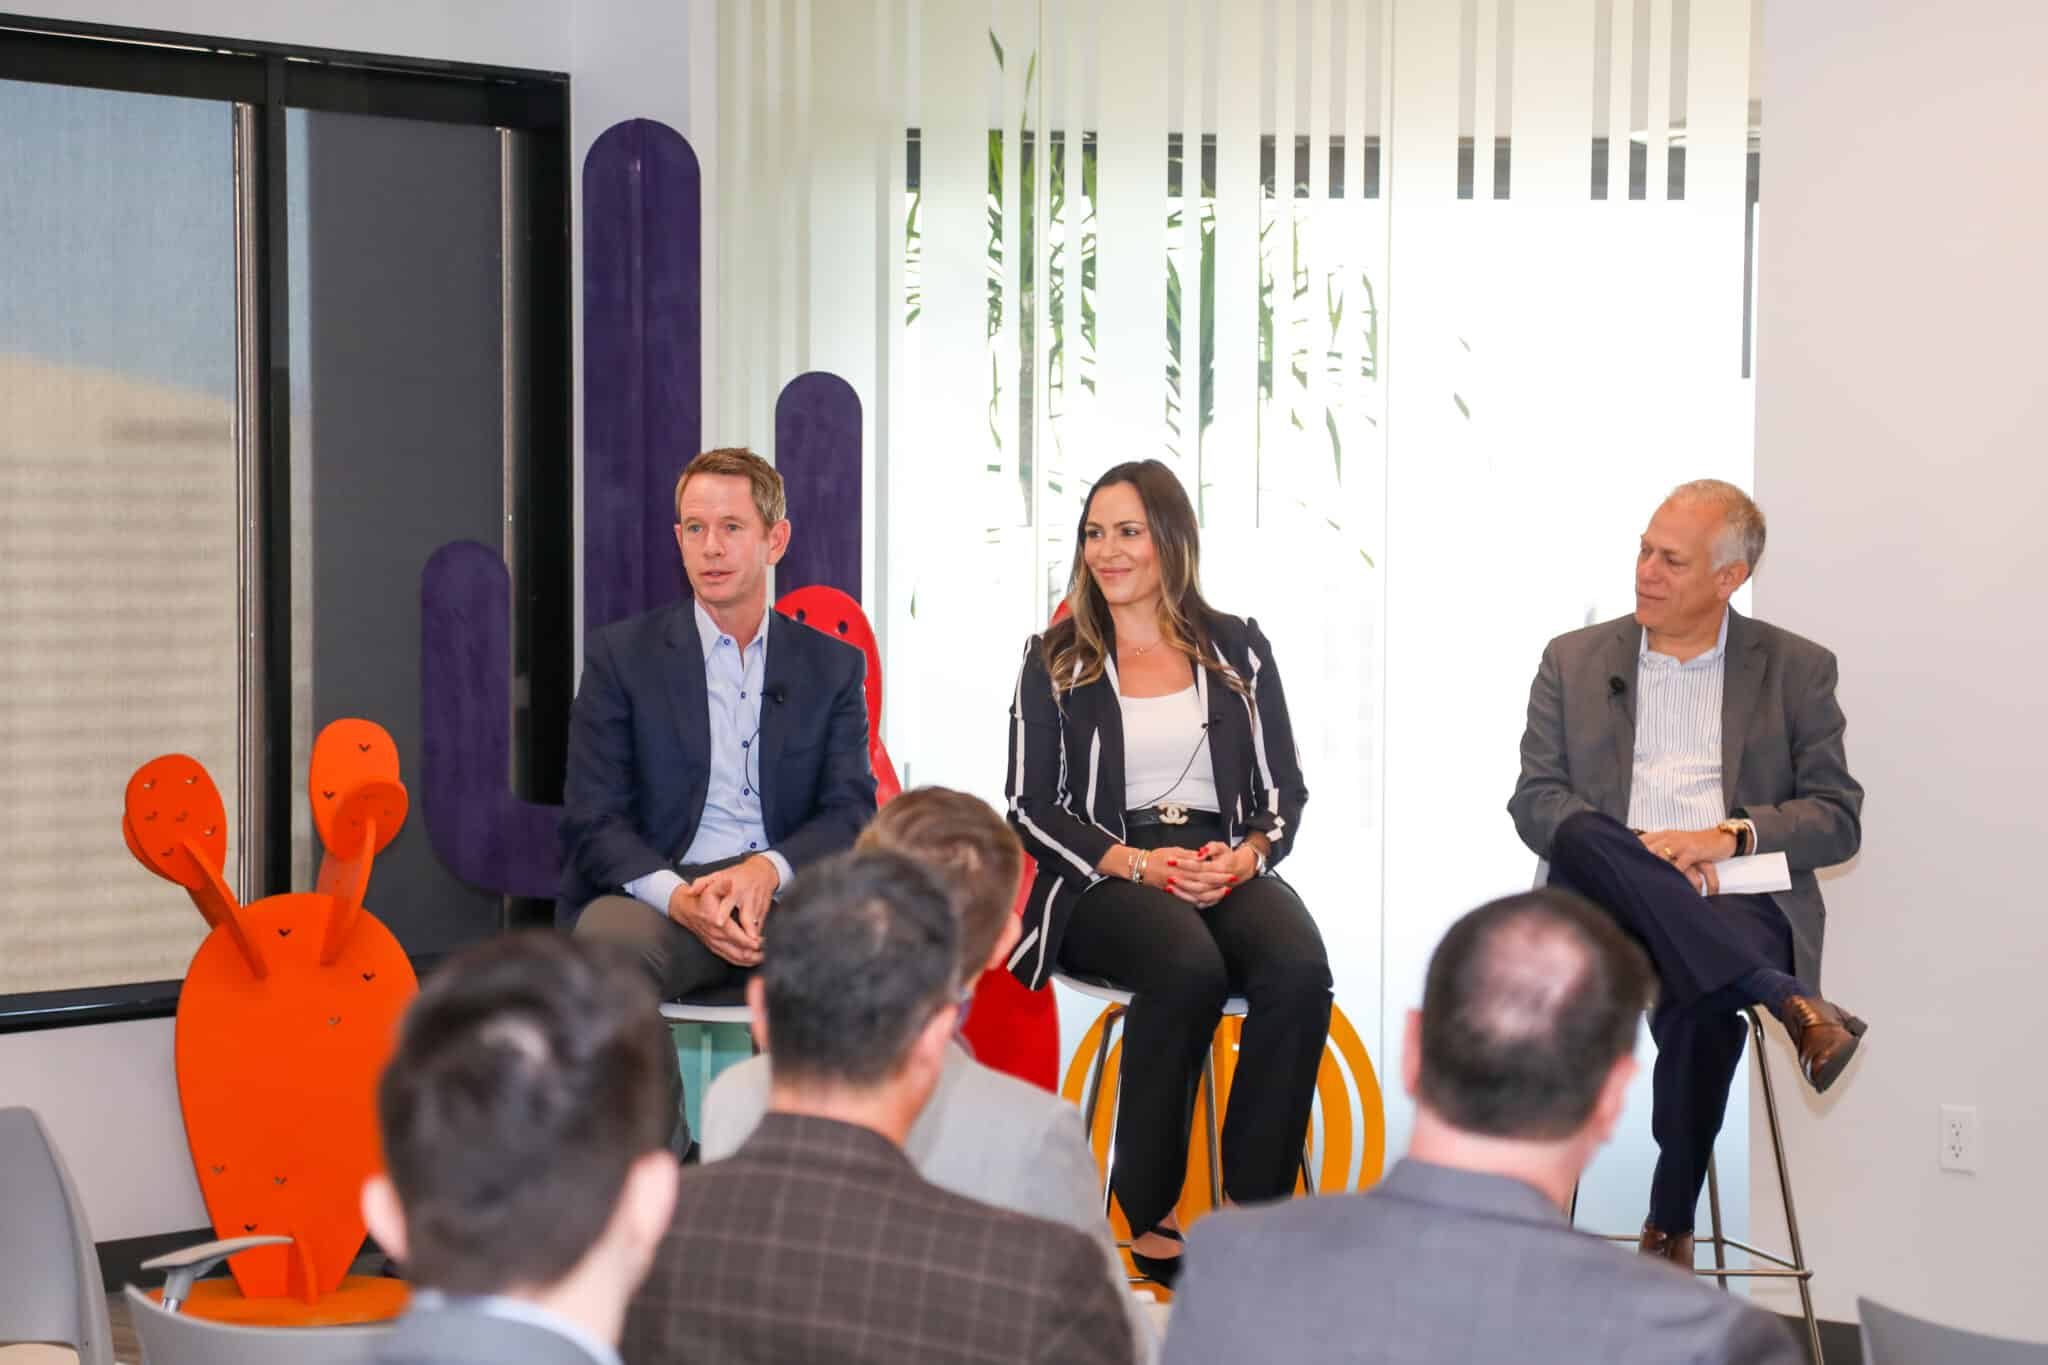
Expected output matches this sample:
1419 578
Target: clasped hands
1693 852
725 908
1200 876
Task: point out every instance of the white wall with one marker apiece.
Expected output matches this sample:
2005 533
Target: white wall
108 1095
1900 419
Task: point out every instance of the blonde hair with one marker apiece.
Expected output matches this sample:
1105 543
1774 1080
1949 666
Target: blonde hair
1077 648
975 854
769 499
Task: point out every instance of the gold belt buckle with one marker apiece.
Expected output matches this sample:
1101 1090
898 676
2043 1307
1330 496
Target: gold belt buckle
1172 813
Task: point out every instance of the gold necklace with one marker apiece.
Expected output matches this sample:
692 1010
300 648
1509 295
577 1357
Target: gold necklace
1145 649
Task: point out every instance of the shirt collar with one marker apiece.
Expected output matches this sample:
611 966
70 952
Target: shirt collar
709 634
518 1310
1498 1196
1643 650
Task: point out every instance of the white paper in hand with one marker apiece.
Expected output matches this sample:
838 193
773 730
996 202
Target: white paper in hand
1754 875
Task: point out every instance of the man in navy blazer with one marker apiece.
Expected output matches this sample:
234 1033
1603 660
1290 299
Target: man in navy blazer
715 750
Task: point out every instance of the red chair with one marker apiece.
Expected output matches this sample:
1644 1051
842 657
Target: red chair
1010 1028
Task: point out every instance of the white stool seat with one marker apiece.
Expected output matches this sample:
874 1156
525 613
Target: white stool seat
1096 988
726 1005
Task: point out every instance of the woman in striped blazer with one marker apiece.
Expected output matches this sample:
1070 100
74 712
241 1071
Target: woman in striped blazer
1154 778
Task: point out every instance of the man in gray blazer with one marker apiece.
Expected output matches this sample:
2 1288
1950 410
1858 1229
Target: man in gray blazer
983 1134
1519 1062
1660 744
524 1118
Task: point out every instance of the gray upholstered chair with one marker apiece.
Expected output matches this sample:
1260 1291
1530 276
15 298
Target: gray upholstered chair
178 1339
1892 1338
49 1274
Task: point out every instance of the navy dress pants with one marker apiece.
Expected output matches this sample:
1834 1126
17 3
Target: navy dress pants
1700 947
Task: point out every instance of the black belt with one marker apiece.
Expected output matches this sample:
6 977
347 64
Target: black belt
1170 813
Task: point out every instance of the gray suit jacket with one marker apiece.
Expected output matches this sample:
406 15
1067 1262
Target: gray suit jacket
1782 761
1436 1265
452 1333
986 1135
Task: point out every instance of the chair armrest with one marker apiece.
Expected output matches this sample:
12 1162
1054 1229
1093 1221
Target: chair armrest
188 1263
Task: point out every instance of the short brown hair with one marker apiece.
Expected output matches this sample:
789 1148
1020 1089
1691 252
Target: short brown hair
964 840
1529 1002
528 1079
769 499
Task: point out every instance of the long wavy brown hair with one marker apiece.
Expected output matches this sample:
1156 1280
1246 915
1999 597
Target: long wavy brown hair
1077 646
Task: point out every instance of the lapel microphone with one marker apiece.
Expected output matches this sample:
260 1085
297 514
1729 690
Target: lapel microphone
777 694
1617 685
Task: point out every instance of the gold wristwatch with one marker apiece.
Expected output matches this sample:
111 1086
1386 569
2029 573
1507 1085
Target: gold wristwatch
1745 835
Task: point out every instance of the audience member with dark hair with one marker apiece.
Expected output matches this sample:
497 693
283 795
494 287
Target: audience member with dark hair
983 1134
1519 1062
818 1240
525 1119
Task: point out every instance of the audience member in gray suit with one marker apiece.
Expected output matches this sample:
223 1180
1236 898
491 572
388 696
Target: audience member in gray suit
525 1120
1518 1062
983 1134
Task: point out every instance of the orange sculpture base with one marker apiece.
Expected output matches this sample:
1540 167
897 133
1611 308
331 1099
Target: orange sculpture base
360 1298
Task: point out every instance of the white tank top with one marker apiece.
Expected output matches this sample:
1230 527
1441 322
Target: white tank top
1166 752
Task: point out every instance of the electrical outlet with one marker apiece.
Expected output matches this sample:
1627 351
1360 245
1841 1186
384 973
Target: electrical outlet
1961 1144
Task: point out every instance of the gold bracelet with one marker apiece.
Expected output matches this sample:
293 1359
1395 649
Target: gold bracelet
1136 870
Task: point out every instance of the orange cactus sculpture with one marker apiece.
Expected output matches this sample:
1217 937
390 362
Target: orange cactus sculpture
288 1011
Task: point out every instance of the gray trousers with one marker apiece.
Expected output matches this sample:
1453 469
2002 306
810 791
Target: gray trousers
676 961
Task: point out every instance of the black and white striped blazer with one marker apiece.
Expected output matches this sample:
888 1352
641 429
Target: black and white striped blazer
1066 783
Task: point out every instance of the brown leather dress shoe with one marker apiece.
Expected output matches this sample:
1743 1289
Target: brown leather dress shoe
1826 1037
1665 1246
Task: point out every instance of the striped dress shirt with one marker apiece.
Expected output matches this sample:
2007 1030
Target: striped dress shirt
1677 781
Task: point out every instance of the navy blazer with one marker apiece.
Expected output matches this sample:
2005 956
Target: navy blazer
1066 782
640 751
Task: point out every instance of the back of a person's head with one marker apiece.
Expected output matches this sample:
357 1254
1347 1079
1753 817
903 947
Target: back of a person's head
855 961
527 1082
1529 1003
970 846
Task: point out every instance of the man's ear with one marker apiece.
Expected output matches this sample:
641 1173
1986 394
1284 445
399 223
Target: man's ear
1411 1052
384 1216
1013 929
648 1201
1729 578
778 541
1613 1096
757 1011
929 1049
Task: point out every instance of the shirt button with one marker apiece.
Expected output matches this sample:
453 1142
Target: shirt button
752 845
745 742
746 791
743 696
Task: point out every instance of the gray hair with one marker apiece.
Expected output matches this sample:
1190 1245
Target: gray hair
1742 528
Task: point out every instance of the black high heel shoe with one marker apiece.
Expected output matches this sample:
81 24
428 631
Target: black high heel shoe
1160 1270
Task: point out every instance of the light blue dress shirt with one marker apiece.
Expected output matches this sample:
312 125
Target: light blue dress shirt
732 823
1677 779
518 1310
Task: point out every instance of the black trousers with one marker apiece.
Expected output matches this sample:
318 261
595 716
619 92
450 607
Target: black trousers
1700 948
1180 964
676 961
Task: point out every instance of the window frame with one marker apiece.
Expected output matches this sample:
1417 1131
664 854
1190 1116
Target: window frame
272 78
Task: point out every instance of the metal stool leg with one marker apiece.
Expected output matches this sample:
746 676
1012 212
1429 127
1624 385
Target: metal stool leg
1110 1019
1714 1214
1756 1028
1209 1116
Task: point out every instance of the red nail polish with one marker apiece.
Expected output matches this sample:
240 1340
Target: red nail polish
1170 862
1169 881
1233 881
